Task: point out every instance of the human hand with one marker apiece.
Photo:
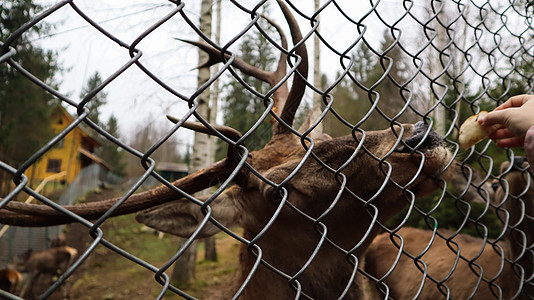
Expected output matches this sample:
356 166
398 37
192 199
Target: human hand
515 116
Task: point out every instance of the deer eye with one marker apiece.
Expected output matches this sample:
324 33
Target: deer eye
274 195
495 186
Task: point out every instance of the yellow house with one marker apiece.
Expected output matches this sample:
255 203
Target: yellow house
70 155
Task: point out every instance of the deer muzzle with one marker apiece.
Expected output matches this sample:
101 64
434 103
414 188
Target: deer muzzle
423 139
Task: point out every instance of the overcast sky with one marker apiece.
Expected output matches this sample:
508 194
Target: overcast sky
133 97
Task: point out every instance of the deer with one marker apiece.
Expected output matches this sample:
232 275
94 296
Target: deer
463 266
10 280
44 265
308 204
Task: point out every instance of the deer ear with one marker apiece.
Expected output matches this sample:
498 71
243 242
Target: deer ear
182 217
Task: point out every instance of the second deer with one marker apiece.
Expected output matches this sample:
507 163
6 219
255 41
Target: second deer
41 267
462 266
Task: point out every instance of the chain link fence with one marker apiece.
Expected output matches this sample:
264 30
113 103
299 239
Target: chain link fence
385 63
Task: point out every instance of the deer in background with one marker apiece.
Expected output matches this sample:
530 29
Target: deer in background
42 266
308 204
10 280
505 267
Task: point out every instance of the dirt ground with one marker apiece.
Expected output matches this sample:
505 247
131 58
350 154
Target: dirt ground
107 275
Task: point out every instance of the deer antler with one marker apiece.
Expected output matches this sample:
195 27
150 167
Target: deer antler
284 101
22 214
229 132
272 78
290 105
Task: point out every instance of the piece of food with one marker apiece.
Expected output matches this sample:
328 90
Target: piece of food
471 132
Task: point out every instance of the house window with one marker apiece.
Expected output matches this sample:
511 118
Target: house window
54 166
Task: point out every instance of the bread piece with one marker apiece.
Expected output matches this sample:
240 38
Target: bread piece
471 132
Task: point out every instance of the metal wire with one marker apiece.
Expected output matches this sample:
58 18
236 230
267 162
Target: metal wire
442 60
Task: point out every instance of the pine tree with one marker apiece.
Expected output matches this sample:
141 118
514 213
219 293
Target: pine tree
373 79
24 107
110 152
240 108
386 78
97 100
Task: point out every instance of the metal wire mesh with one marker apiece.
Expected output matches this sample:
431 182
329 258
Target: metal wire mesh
441 61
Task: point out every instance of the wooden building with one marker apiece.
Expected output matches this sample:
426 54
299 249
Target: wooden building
172 171
70 155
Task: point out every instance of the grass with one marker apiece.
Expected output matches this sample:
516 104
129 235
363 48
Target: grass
108 275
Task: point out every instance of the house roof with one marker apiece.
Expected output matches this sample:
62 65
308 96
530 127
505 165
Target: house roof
94 158
170 166
86 133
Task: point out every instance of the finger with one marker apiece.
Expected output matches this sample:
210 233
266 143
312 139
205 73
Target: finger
494 117
515 101
511 142
501 134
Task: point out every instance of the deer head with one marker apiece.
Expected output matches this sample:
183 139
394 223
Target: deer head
308 204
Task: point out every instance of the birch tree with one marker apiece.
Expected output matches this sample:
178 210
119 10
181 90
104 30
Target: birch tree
201 156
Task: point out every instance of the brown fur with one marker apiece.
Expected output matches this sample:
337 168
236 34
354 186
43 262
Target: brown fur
291 239
10 280
406 279
51 261
42 266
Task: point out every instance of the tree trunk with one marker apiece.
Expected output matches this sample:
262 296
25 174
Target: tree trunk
436 67
209 243
184 268
210 249
202 144
316 110
183 273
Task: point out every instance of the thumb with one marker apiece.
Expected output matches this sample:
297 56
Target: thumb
494 117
